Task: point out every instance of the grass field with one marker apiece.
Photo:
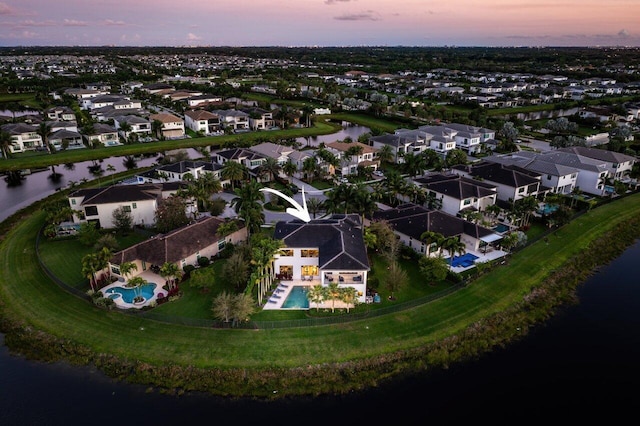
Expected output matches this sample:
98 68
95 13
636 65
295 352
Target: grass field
28 295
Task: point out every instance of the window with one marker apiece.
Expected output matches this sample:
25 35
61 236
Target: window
467 202
73 201
91 211
309 253
134 205
286 252
221 244
126 209
520 190
548 177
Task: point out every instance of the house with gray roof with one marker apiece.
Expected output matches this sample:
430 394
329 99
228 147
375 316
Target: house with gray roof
409 221
98 204
330 250
66 139
618 165
511 182
458 193
24 137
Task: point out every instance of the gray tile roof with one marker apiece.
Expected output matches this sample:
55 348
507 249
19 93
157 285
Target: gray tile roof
458 187
413 220
339 240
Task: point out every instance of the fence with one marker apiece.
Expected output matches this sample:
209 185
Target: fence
307 322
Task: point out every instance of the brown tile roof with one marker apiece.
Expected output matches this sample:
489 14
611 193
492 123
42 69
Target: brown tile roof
173 246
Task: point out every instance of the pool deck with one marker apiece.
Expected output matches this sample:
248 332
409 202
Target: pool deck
283 290
148 276
482 257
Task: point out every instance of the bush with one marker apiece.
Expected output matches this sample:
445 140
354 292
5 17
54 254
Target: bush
203 261
227 251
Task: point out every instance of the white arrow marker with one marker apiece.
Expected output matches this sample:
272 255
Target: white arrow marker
300 211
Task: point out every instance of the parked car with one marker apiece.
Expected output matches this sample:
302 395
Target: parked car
378 173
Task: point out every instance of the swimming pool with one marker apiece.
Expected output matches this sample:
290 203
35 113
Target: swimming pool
548 209
464 260
128 294
297 298
501 228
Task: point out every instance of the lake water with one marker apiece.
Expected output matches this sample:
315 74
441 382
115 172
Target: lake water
39 185
581 365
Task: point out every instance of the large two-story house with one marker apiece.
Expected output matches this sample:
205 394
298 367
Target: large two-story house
24 137
409 222
326 251
349 162
202 121
172 126
98 204
458 193
512 183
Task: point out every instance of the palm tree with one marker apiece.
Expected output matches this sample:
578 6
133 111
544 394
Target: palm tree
316 294
310 168
385 154
126 268
44 130
90 266
156 128
270 168
349 297
111 169
5 143
248 205
129 162
234 172
201 190
314 205
125 128
136 283
170 272
430 238
454 246
289 169
333 293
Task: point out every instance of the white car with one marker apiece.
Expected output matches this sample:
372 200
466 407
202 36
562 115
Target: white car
378 173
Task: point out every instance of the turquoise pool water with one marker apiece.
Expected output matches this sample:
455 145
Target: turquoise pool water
548 209
297 298
128 294
501 228
465 260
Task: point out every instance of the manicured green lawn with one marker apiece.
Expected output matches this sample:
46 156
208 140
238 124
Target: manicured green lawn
28 295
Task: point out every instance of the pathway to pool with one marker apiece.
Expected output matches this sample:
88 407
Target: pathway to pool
480 257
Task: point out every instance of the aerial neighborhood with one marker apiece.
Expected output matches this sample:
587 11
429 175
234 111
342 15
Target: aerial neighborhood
441 186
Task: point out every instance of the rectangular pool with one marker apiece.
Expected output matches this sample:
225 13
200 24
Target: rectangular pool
297 298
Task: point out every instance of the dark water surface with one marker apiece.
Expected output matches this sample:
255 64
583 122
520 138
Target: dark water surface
583 365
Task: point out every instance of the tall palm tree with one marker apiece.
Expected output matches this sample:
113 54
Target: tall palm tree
125 128
201 190
44 130
314 205
270 169
248 205
454 246
310 168
5 143
385 154
127 268
430 238
289 169
156 128
333 294
90 266
316 294
234 172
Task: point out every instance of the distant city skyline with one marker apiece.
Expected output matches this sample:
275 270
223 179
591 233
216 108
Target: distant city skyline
320 23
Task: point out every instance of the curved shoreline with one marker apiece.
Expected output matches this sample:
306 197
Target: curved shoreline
506 318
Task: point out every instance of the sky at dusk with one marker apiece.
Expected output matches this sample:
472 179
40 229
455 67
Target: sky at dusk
320 23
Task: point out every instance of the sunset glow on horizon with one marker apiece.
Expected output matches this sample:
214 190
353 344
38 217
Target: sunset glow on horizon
320 23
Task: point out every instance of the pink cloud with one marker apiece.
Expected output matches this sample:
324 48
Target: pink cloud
5 9
111 22
74 23
193 37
